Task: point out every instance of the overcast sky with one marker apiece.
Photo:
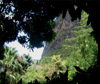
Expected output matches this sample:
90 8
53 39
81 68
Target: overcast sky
36 54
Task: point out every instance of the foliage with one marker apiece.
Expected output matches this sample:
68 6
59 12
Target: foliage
32 74
82 49
10 60
12 66
28 59
35 17
45 68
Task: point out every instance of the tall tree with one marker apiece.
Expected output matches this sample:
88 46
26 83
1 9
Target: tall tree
10 66
34 16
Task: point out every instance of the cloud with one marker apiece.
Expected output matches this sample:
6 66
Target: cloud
35 54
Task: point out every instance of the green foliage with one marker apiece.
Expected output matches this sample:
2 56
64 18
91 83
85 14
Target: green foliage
80 50
46 67
28 59
52 23
83 21
32 74
56 59
10 60
45 60
12 66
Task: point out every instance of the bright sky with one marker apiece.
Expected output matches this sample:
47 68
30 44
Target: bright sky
36 54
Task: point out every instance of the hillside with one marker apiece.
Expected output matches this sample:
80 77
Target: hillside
63 30
70 58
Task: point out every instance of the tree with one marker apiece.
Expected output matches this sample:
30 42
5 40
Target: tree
10 66
28 59
10 60
34 16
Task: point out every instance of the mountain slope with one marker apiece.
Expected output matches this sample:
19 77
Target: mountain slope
63 30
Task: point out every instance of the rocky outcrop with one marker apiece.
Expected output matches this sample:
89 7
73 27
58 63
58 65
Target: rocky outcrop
63 30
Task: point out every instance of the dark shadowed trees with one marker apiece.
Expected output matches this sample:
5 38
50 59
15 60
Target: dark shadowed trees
35 18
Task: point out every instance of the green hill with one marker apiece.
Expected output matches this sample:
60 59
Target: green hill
73 47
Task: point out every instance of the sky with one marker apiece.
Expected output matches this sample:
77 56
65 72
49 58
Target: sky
35 54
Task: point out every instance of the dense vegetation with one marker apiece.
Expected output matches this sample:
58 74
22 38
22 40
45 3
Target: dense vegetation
12 67
79 51
33 17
